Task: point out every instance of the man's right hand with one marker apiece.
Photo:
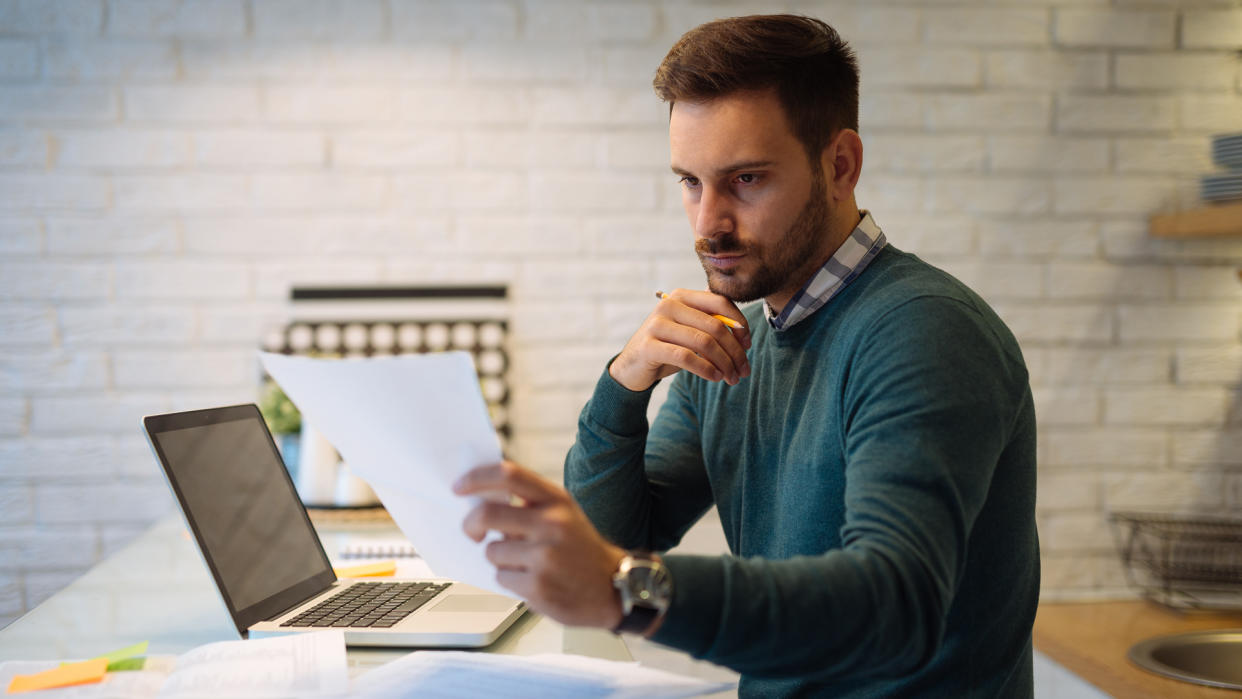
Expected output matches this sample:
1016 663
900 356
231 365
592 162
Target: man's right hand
682 334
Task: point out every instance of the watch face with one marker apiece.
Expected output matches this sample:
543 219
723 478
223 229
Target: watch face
648 585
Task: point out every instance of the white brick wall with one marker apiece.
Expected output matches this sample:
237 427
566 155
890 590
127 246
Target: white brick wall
168 168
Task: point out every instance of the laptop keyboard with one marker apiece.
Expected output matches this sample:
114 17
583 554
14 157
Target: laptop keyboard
369 605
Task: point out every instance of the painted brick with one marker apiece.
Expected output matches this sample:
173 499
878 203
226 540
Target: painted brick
591 191
612 234
1211 28
626 66
182 280
646 150
1205 448
54 280
121 149
192 369
595 106
19 58
114 537
1075 531
1162 155
1115 28
225 61
870 23
1164 406
1051 323
16 507
53 191
1048 154
890 111
1170 70
53 371
1067 491
905 154
197 104
464 106
1126 240
329 105
555 322
1215 365
107 236
12 417
180 192
1212 113
1082 365
1101 281
420 270
1113 113
548 409
1008 27
244 324
1046 69
1049 238
923 67
319 191
92 326
20 236
587 278
517 235
1162 491
471 191
1115 195
319 19
446 20
1104 447
999 280
556 148
47 548
57 103
409 149
578 366
319 235
990 194
92 415
1201 283
10 596
676 272
120 502
245 147
940 236
206 18
527 62
363 60
1067 405
988 112
274 280
889 193
61 459
52 16
1177 322
26 325
609 21
78 59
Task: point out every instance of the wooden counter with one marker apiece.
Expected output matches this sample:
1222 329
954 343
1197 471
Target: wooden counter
1091 639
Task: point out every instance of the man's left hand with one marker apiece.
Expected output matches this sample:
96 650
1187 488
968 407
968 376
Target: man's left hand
551 555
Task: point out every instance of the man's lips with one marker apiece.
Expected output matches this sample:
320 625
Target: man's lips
723 261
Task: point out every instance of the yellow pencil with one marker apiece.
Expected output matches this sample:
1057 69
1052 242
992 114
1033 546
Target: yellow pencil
729 322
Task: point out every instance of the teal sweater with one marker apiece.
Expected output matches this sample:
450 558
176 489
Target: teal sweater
875 477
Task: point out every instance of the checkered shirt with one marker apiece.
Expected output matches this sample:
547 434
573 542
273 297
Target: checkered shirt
843 267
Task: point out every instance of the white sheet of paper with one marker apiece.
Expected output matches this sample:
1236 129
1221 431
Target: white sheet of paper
301 665
409 426
465 675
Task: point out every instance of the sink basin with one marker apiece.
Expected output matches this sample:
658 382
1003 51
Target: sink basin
1213 658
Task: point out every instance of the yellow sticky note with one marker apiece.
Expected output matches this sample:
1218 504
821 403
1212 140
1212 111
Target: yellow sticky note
64 676
123 658
367 570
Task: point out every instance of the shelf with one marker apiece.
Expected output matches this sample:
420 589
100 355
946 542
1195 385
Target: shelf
1219 220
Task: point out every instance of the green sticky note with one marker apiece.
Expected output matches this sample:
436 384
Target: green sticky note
127 658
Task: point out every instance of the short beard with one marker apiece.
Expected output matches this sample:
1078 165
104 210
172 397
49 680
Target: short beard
784 262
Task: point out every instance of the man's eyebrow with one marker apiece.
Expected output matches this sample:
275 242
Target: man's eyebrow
732 167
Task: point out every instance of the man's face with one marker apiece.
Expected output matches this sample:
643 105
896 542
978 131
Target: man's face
758 207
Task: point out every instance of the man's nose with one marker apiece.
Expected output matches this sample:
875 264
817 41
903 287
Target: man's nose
714 216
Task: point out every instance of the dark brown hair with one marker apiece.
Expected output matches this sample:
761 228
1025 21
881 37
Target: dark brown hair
812 69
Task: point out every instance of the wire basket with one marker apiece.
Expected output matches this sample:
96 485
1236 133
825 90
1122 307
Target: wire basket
1182 561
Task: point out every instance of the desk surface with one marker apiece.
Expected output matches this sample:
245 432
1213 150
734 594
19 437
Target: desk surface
158 589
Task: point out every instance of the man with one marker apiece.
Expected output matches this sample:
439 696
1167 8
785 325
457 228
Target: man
867 436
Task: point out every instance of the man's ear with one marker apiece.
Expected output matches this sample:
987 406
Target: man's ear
842 163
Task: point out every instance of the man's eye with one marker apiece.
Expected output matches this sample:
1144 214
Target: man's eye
747 178
689 181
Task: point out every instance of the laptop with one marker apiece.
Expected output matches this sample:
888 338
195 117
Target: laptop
268 562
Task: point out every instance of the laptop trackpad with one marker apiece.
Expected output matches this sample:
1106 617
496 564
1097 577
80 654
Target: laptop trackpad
473 603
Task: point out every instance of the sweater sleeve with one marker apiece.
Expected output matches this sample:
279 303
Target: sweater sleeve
928 406
642 488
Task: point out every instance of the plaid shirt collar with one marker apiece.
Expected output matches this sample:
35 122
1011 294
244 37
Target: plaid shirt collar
842 268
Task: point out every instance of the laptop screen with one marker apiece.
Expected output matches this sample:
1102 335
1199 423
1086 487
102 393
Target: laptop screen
241 504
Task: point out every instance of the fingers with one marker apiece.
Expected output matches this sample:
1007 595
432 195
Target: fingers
508 477
513 522
696 328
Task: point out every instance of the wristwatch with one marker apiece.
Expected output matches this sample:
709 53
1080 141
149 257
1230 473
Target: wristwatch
646 589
